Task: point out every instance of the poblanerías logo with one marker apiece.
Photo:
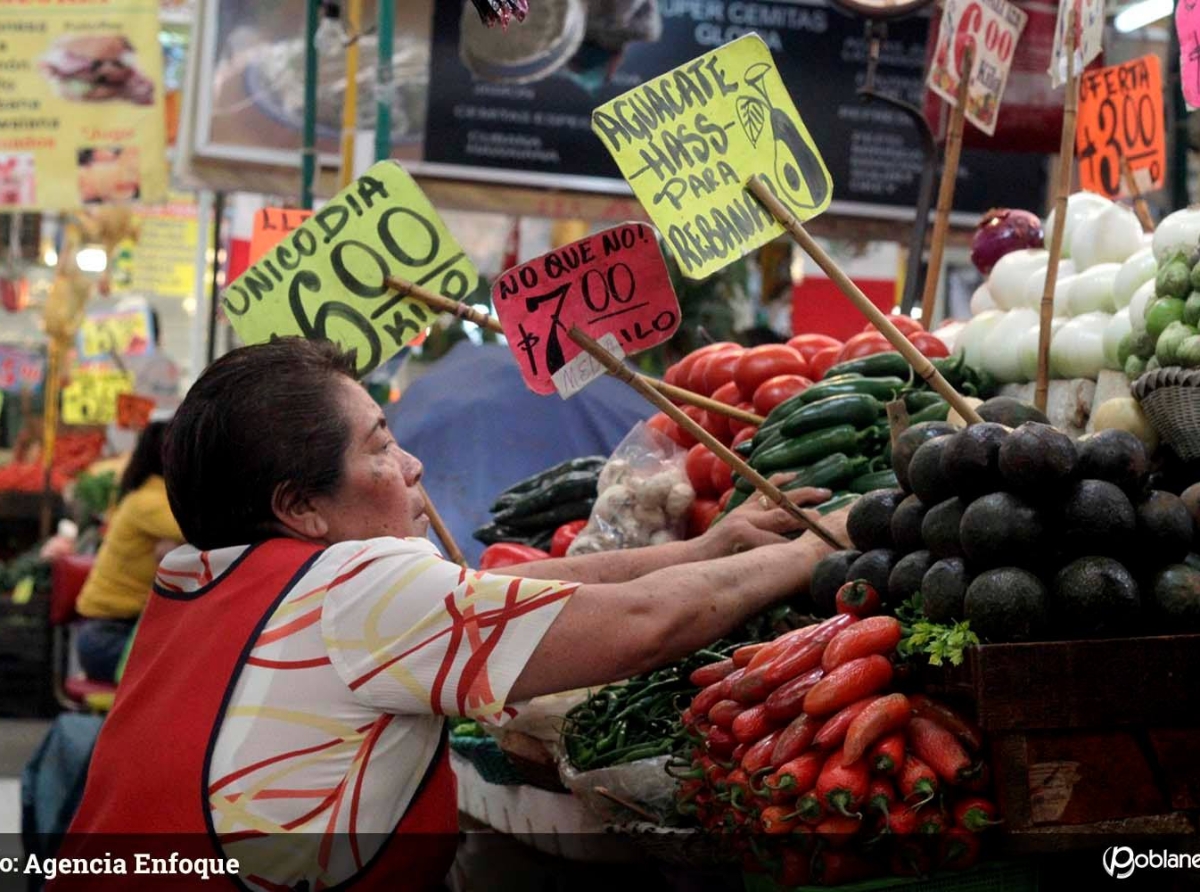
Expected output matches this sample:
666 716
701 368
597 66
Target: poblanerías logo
1122 861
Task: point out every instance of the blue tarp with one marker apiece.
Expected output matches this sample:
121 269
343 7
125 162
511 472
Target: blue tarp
477 429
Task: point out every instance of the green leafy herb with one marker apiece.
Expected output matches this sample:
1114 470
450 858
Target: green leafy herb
940 643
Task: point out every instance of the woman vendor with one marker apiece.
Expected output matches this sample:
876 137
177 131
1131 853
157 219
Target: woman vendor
287 688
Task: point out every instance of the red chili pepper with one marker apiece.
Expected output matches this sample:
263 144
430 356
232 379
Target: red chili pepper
768 650
711 696
881 796
737 787
910 858
834 867
833 732
799 774
712 673
758 756
960 848
564 536
777 820
723 713
887 755
940 750
795 738
883 716
744 654
917 780
787 701
752 724
838 830
980 782
751 687
806 653
738 752
902 820
796 869
975 814
509 554
931 823
941 714
719 743
848 682
823 630
858 598
809 808
843 787
873 635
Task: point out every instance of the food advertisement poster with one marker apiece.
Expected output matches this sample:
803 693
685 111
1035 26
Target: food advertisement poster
81 104
162 261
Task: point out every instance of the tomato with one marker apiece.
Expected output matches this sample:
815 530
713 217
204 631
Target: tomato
867 343
662 424
746 433
698 376
717 425
775 390
701 515
719 370
809 345
684 366
727 394
508 554
929 345
721 476
686 439
823 361
699 470
760 363
906 324
671 375
737 426
667 426
564 536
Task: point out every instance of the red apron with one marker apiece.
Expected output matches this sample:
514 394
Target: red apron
149 772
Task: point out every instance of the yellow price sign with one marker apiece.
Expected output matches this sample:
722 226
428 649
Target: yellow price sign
114 334
689 140
92 394
325 278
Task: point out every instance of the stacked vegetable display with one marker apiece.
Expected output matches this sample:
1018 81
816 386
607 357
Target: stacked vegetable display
1022 533
811 764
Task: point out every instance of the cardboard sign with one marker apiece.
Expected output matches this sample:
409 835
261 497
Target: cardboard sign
103 335
991 28
585 368
271 226
615 281
1089 32
1121 115
325 279
91 396
688 141
133 411
1187 26
20 369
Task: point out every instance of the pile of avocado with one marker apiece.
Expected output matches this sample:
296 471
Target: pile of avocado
1171 337
1023 532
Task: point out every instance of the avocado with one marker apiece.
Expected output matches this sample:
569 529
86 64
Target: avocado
1098 518
1116 456
906 525
1006 604
910 441
874 568
905 579
925 477
1177 594
1036 460
869 522
1164 529
940 528
1191 499
943 590
1003 530
971 460
1095 597
1010 412
829 575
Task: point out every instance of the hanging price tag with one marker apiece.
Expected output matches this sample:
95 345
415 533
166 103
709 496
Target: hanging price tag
91 396
1121 116
133 411
612 283
271 226
1089 32
104 335
991 29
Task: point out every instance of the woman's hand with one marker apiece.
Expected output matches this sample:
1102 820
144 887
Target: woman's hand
758 521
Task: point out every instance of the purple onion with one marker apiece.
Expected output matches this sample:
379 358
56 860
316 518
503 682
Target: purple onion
1001 231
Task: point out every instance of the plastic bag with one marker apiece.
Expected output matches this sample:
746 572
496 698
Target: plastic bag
643 495
644 783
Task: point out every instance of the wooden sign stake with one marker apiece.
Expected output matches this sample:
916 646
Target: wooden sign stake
1139 202
443 532
920 364
1066 160
618 370
491 323
945 201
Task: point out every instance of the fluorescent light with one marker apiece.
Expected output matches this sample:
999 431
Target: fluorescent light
1139 15
50 258
92 260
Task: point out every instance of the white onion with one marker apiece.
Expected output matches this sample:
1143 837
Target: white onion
1027 345
971 338
982 300
1142 298
1077 350
1036 283
1179 231
1093 290
1118 326
1111 235
1139 269
1062 295
1079 206
1007 281
949 332
998 355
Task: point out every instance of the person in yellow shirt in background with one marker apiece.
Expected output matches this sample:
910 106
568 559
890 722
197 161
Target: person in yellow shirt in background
141 530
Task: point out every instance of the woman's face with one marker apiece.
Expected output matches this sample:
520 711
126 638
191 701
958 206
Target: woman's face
378 495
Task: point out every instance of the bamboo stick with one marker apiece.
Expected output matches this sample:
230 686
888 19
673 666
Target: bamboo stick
1140 207
920 364
443 532
350 106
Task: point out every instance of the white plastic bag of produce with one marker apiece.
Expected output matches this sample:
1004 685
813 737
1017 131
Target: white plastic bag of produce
644 783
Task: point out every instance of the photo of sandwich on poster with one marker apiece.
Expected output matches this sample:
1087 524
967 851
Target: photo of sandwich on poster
96 68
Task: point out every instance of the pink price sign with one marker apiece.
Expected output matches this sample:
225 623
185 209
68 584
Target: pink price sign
612 283
1187 25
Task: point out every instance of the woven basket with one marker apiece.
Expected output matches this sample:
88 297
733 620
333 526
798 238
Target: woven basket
487 758
1170 398
676 845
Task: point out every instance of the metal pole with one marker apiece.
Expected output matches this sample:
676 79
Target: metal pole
204 215
1178 176
383 81
308 158
215 293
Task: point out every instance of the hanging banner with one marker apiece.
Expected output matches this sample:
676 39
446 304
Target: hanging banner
162 261
121 333
91 396
325 279
81 105
20 369
689 140
1187 26
612 283
1089 33
1121 116
991 28
271 226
